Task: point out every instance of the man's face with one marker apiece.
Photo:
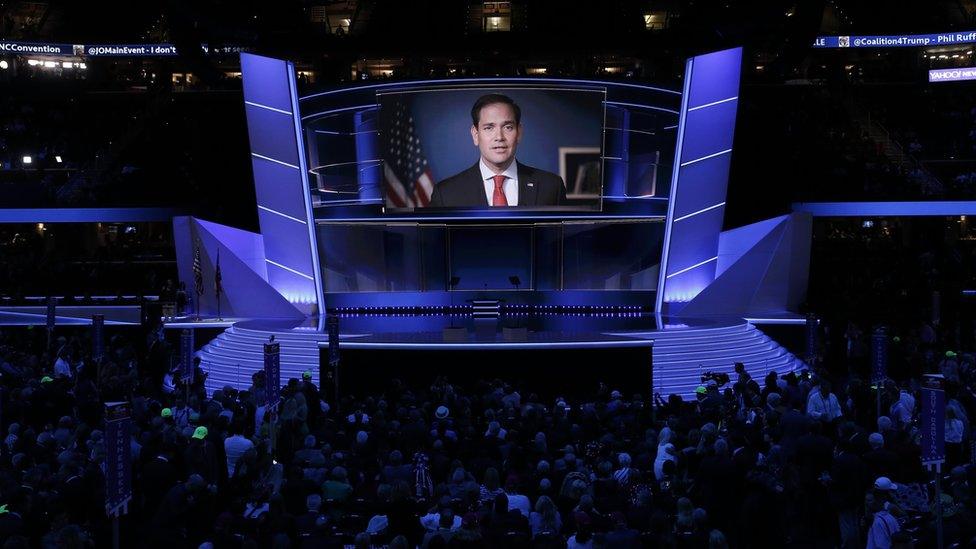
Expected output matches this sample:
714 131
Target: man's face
497 135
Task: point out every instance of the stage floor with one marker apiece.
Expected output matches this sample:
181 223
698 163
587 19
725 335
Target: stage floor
683 348
70 315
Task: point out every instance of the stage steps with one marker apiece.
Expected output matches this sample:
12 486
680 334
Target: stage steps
681 355
486 308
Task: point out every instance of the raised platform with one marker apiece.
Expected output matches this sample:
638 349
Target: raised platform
70 315
683 348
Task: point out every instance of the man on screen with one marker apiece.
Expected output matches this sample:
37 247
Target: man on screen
497 179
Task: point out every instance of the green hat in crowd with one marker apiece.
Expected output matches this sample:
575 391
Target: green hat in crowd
166 412
200 432
46 379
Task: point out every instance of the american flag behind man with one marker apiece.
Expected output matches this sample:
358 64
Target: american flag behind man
406 174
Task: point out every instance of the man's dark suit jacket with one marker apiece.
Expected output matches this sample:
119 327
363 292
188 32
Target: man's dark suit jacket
467 189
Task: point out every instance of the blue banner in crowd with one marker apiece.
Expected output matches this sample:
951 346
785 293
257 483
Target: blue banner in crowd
51 312
186 356
272 371
98 336
879 355
811 339
932 421
333 325
952 75
896 40
118 458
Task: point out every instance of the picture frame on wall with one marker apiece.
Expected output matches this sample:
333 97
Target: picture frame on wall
581 168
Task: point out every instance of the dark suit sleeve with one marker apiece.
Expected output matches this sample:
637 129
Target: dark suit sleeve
555 191
436 198
561 198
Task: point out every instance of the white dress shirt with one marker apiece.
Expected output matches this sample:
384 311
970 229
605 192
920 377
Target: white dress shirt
509 187
63 368
882 528
820 408
235 447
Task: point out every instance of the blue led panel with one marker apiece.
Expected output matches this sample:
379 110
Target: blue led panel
700 178
281 180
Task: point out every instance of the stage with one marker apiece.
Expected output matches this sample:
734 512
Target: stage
645 352
70 315
643 287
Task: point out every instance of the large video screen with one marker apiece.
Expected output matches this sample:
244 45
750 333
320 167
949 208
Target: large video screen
485 148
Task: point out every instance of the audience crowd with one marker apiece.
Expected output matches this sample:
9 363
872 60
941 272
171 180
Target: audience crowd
800 459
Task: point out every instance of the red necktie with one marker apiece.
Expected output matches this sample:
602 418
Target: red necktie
498 197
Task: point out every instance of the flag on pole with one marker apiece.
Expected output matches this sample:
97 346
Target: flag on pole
197 270
217 287
406 174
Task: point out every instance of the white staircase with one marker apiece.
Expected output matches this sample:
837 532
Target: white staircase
681 355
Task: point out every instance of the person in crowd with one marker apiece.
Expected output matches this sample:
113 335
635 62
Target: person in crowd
822 405
883 525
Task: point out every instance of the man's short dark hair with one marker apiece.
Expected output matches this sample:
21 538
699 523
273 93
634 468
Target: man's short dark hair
491 99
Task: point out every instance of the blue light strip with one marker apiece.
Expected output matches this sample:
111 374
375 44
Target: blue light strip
346 202
330 132
286 216
92 297
259 105
777 321
945 208
703 210
713 103
695 266
349 163
269 159
475 80
87 215
306 192
200 324
289 269
706 157
630 130
65 319
322 114
640 106
663 269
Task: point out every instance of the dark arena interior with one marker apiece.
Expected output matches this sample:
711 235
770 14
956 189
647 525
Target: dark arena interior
465 274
